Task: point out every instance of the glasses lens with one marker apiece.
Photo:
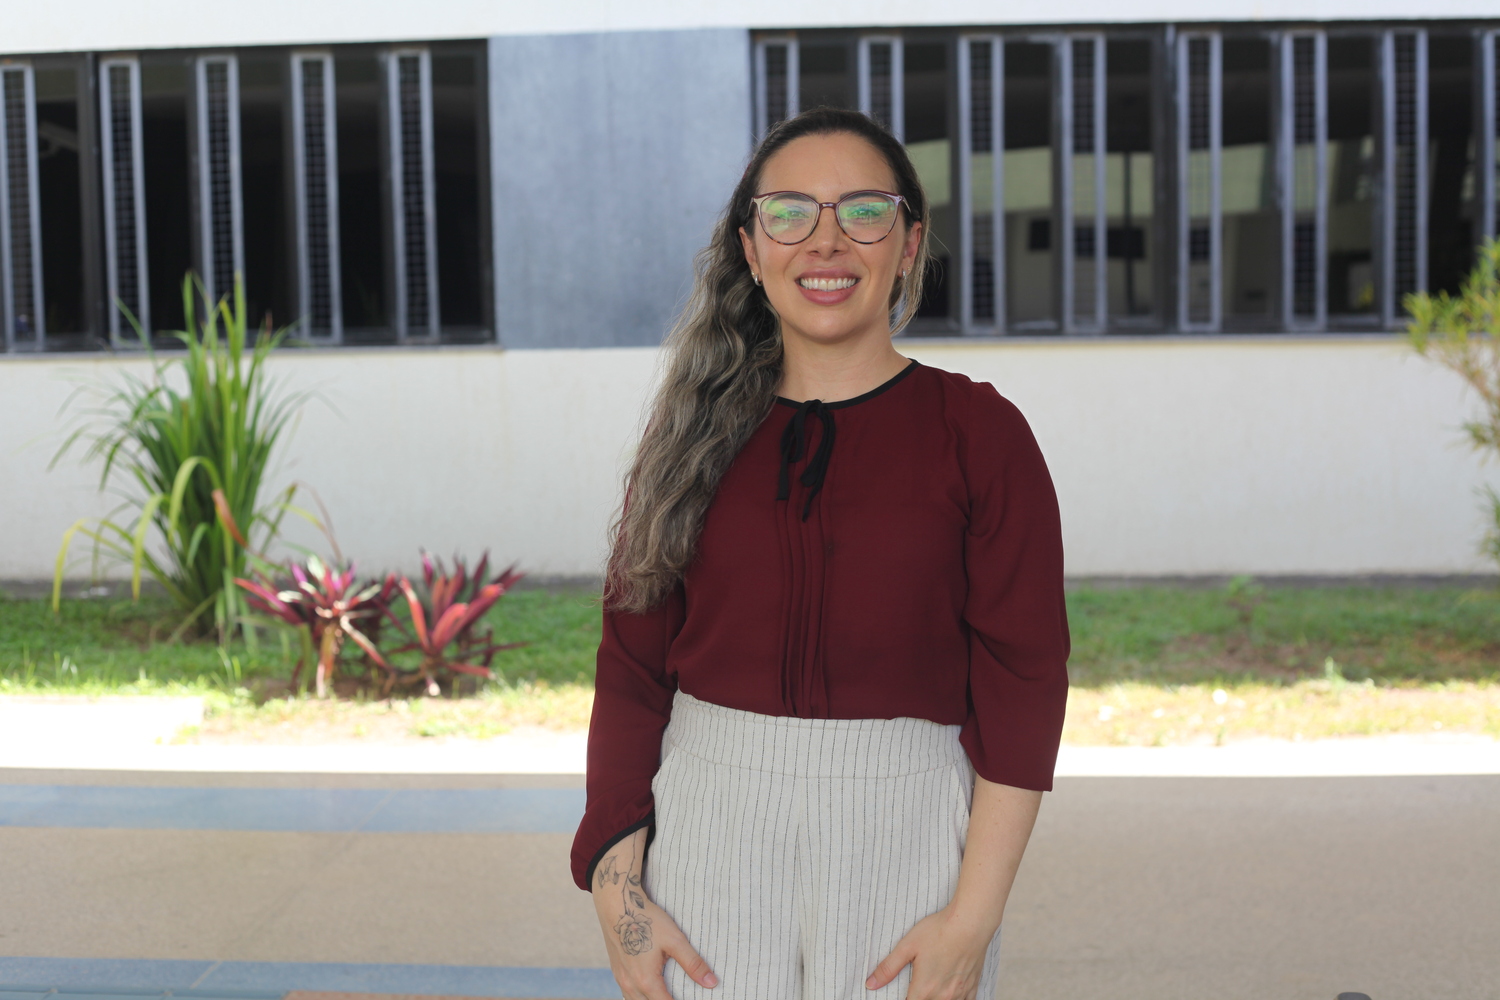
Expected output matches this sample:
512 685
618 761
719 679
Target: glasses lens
867 217
788 218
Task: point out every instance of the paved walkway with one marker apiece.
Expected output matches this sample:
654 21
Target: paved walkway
1262 872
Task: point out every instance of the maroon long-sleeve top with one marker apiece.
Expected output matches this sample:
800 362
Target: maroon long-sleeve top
896 554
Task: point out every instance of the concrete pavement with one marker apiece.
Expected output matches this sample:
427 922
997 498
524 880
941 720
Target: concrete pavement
1133 887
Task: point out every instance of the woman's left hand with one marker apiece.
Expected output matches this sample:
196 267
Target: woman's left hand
946 953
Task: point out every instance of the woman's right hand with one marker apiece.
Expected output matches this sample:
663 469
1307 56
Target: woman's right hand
638 933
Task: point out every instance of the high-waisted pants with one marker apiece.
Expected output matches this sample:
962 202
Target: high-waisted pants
795 853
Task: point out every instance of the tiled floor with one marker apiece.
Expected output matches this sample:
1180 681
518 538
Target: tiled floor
1134 888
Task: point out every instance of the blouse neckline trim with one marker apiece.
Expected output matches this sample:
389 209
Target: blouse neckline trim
840 404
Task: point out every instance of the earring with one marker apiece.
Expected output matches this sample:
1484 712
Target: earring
755 278
903 273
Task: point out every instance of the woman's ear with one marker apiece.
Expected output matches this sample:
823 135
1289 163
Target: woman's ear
749 246
913 241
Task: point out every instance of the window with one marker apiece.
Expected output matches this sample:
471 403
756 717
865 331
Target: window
347 186
1192 179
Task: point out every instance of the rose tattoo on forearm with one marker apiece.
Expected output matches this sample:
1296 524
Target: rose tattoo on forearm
634 927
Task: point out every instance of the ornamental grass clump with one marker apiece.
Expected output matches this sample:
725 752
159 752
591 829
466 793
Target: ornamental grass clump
1462 333
206 422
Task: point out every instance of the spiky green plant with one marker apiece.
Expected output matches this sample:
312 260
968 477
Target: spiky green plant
1462 333
200 432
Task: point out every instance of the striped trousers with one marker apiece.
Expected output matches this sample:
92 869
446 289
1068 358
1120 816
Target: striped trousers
795 853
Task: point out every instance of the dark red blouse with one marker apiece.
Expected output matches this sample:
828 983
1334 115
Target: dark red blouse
895 554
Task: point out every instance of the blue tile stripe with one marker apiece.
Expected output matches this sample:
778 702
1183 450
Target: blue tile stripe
22 979
314 810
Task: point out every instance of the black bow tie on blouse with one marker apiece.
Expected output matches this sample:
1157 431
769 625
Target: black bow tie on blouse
794 445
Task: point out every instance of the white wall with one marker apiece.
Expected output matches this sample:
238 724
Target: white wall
1175 456
66 25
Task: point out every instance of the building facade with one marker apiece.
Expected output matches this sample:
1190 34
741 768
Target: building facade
482 178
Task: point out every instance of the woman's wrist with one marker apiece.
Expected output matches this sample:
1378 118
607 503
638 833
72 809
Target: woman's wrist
981 917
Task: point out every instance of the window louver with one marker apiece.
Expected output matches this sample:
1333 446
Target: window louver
880 71
1306 201
1083 267
221 252
413 211
315 163
124 197
20 236
980 180
1199 166
1406 167
776 65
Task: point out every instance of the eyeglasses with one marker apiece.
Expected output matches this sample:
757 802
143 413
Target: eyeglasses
790 216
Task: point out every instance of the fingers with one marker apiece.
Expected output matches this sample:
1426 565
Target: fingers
692 963
890 967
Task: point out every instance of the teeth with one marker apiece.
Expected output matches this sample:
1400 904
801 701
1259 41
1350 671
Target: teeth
826 284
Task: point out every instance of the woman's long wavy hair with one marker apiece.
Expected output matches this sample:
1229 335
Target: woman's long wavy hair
723 366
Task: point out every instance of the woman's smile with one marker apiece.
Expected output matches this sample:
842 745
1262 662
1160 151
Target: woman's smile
827 287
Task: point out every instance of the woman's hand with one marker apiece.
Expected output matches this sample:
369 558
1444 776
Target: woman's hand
946 953
638 933
946 949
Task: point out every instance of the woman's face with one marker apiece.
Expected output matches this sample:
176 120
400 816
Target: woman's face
828 288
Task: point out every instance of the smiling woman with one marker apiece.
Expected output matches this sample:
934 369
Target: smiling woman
834 603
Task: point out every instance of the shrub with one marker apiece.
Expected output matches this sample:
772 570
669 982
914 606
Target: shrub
207 422
1462 333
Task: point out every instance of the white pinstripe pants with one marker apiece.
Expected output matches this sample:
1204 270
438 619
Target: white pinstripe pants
795 853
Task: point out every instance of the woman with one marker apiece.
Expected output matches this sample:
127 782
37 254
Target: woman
834 594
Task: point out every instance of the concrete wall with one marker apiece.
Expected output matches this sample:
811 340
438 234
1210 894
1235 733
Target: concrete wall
1272 456
634 159
68 25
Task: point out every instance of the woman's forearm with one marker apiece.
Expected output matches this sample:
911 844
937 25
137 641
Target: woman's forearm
1000 823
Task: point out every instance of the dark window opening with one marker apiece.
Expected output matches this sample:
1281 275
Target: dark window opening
457 112
1352 93
1251 222
1030 279
825 76
362 204
926 81
1130 178
264 163
60 194
1452 208
168 189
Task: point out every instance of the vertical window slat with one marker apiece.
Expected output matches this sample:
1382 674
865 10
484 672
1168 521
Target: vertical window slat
777 83
315 166
1200 294
1083 229
20 222
1404 129
413 209
124 196
221 253
980 182
881 69
1304 180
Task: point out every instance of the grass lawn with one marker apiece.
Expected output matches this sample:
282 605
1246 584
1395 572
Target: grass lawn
1150 665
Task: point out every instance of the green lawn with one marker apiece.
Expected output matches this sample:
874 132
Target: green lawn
1150 664
1175 635
111 645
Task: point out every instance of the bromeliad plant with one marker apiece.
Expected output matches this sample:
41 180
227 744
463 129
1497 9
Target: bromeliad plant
448 618
207 420
327 607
